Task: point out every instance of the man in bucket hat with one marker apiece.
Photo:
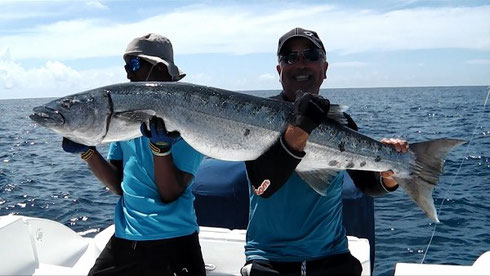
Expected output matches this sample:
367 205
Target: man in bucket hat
155 222
158 52
292 229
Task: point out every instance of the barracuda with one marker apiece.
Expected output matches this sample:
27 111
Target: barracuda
237 127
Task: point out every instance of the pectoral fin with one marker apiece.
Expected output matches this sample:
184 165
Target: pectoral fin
131 116
319 180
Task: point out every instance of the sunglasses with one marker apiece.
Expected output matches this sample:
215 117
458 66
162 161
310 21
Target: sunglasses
308 55
133 65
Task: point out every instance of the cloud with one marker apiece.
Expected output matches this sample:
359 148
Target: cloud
267 77
96 5
51 79
15 11
255 29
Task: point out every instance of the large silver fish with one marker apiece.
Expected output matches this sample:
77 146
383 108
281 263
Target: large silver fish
233 126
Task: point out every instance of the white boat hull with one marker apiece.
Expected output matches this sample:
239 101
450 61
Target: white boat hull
480 267
35 246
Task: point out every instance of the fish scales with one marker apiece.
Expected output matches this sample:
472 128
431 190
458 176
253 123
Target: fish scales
248 125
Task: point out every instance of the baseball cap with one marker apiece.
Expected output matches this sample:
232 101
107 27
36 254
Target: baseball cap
299 32
155 49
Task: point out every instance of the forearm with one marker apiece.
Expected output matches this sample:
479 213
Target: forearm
370 183
109 174
170 181
263 172
295 138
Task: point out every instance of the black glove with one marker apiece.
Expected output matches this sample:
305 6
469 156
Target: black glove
74 147
309 111
160 139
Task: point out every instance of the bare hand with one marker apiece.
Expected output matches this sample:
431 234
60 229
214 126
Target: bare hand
400 146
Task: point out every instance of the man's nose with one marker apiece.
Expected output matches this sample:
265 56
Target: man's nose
300 61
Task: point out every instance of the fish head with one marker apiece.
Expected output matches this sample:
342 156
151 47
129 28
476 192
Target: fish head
82 118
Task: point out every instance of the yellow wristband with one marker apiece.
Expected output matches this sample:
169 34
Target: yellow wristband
88 154
158 151
161 153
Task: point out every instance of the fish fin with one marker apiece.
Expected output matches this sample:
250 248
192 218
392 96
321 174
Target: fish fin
142 115
429 160
336 113
319 180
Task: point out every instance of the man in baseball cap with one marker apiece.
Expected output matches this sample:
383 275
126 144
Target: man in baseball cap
156 50
295 219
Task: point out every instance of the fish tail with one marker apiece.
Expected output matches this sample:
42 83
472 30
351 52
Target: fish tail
429 160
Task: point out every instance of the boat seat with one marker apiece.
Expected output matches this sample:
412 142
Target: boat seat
55 243
218 244
33 245
17 250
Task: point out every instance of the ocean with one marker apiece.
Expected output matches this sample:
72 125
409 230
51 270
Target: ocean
38 179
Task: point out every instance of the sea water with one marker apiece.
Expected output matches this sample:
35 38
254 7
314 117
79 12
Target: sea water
37 178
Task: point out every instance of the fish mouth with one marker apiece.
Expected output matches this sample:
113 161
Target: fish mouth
47 116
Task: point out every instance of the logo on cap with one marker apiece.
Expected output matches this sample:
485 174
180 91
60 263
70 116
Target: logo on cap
308 33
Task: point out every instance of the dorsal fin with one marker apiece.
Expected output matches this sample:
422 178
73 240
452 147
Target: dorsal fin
336 113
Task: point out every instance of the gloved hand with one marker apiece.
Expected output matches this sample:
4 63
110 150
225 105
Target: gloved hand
309 111
74 147
161 140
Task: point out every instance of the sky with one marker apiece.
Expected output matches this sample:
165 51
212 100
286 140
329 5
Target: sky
56 48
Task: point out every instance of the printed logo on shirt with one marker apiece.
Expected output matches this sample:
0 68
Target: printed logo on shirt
261 189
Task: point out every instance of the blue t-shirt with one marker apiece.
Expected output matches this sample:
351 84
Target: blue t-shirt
296 223
140 213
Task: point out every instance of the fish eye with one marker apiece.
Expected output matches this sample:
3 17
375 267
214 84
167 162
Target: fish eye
66 103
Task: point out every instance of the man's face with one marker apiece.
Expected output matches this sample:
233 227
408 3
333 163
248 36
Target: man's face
301 75
142 70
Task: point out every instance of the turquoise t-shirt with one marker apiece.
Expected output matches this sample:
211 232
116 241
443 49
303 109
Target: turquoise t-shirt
140 213
296 223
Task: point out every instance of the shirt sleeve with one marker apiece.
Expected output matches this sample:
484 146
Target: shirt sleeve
115 151
185 157
264 173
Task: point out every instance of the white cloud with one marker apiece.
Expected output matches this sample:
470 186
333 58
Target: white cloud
267 77
96 5
51 79
5 54
47 11
248 29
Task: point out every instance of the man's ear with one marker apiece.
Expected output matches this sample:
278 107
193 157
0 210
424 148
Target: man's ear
278 68
325 67
279 71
